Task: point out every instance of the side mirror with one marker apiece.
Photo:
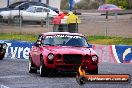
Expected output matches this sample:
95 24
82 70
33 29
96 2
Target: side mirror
38 43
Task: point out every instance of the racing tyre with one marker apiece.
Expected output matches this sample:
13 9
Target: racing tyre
31 68
2 56
94 71
43 70
81 80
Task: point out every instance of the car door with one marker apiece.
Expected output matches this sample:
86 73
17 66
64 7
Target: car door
46 12
39 14
36 51
28 15
35 14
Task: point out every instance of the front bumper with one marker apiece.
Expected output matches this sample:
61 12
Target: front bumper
71 62
71 67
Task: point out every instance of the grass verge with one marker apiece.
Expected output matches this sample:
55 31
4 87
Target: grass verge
23 37
109 40
103 40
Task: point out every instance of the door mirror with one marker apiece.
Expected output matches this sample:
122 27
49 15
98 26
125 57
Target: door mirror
38 43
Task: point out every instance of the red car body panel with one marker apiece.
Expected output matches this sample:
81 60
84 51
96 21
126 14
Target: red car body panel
61 52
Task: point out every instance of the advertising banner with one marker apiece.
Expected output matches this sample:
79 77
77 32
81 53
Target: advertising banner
106 53
122 53
114 53
18 49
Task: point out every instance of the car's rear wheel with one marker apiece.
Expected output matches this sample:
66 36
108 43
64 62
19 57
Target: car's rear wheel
31 68
43 70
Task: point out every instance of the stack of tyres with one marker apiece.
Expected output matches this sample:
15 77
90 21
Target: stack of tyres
3 47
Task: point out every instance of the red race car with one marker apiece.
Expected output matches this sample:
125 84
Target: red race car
62 51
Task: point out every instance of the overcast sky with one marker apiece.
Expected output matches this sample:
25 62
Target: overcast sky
76 1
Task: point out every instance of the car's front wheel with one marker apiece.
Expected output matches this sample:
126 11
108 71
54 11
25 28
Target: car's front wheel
31 68
81 80
94 71
43 70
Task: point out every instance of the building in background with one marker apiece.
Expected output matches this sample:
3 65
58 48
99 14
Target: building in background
53 3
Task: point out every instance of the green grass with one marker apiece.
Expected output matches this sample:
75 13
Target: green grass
23 37
108 40
104 40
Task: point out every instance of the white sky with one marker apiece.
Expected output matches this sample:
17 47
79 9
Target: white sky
76 1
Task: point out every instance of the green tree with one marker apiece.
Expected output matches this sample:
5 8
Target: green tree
87 4
64 4
130 4
122 3
83 4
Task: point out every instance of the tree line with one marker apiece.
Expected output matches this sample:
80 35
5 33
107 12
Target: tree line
94 4
125 4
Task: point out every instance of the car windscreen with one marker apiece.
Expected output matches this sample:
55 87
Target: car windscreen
12 6
65 40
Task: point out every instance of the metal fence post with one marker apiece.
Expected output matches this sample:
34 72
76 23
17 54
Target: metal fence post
42 24
76 30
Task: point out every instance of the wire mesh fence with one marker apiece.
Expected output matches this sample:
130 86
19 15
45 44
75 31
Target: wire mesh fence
91 24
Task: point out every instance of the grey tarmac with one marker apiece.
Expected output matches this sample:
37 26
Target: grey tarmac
14 74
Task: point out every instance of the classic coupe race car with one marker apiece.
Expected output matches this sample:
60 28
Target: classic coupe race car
62 51
3 47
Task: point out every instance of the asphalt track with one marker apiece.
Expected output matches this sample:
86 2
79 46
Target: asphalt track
14 74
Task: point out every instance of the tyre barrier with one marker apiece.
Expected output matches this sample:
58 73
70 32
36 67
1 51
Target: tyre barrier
114 53
18 49
106 53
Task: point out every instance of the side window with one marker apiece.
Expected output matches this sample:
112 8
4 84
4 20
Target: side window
46 10
39 9
33 10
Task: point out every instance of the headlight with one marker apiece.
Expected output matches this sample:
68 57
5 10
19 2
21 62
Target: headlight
50 56
4 46
94 58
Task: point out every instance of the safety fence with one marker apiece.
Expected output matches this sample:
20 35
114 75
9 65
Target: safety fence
90 24
106 53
